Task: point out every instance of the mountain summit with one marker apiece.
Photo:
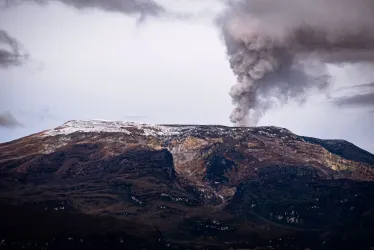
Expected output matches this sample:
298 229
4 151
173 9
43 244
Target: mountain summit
104 184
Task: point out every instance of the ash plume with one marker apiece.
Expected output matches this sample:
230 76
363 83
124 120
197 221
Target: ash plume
10 51
279 49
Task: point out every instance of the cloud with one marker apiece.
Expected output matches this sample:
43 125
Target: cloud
359 100
128 7
12 55
367 85
361 95
10 52
278 49
359 87
7 120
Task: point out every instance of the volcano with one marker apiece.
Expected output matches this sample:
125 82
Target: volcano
122 185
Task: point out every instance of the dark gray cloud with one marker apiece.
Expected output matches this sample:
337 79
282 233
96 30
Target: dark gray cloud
278 49
10 51
360 87
7 120
361 95
367 85
359 100
129 7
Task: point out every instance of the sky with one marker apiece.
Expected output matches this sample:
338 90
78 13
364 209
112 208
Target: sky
95 64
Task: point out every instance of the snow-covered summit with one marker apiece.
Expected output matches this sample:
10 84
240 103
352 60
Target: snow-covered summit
164 131
97 126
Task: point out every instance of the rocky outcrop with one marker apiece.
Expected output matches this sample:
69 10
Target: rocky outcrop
185 186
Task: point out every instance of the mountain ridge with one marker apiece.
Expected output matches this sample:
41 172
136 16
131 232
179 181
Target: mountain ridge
190 186
310 139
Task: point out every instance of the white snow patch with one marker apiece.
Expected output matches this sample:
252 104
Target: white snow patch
98 126
158 131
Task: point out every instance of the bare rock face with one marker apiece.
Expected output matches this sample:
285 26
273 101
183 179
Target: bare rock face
102 184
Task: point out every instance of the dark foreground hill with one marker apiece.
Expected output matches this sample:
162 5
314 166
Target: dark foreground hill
117 185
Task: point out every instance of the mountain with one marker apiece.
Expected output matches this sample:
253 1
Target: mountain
122 185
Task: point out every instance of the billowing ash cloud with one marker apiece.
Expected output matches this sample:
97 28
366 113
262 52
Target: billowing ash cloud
10 51
278 49
143 7
8 120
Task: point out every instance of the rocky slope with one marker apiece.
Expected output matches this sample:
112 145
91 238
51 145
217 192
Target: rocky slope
102 184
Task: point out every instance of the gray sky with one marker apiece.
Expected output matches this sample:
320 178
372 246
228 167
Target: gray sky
91 64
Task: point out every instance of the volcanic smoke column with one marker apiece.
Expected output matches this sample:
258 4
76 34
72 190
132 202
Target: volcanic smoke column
278 49
251 60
